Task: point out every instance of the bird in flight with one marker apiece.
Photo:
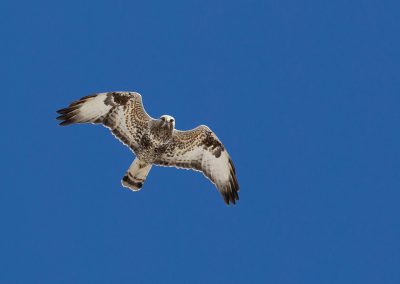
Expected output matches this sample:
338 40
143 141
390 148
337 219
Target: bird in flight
155 141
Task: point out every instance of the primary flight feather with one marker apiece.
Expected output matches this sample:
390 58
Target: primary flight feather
155 141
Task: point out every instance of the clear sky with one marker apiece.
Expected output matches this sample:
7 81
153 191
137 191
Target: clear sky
305 96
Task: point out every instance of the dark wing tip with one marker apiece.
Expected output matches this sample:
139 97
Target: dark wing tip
66 122
68 116
230 192
230 197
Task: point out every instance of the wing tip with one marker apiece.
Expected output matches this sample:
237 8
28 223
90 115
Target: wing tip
230 197
66 122
69 115
230 192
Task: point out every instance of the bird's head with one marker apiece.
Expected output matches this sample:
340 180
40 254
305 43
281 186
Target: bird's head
167 120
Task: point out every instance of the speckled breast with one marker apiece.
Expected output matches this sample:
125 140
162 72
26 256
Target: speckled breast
150 150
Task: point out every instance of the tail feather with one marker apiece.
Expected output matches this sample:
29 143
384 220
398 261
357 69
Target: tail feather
136 175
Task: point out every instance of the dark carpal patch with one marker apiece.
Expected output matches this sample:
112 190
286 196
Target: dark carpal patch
109 101
115 98
217 152
121 99
211 142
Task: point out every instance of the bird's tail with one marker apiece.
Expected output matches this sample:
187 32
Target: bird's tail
136 175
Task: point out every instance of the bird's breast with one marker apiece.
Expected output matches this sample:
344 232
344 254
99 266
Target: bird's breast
150 149
146 142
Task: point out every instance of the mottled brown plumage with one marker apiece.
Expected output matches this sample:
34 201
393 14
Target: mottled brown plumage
155 141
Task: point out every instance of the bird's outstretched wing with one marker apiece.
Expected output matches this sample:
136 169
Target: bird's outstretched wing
200 149
121 112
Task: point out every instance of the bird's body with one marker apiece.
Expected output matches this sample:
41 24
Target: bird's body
155 141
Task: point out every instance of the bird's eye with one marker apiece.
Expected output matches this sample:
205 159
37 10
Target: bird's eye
163 118
172 120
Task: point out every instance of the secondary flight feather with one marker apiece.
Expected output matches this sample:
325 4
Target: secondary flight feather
155 141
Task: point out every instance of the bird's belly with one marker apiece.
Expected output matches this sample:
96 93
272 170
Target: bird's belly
150 152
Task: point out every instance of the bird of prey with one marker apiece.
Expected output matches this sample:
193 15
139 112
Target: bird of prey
155 141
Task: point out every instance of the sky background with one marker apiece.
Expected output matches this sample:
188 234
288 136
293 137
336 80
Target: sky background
305 96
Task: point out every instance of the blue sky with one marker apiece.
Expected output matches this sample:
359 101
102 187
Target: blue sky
304 95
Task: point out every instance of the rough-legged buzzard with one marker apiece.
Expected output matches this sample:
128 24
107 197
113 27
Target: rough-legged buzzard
155 141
